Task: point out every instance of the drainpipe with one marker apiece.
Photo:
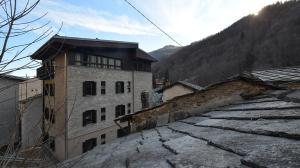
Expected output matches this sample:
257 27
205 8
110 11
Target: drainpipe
133 90
66 108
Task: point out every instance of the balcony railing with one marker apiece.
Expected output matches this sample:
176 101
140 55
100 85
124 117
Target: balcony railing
45 72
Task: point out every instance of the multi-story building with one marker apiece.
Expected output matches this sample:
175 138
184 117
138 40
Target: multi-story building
88 83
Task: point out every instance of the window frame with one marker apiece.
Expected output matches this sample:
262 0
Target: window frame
92 114
85 59
119 86
89 88
103 87
120 110
103 139
128 108
89 144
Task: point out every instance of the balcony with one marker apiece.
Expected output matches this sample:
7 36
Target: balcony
45 72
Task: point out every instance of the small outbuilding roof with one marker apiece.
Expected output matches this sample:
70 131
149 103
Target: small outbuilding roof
185 84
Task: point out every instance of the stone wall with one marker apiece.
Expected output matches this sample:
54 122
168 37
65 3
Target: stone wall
195 103
77 103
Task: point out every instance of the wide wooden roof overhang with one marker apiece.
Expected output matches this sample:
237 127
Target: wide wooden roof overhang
60 43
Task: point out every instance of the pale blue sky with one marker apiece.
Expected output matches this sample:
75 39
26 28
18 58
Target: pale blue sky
185 20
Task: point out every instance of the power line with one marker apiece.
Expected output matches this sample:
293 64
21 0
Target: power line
152 22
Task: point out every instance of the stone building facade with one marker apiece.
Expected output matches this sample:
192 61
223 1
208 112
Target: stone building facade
87 85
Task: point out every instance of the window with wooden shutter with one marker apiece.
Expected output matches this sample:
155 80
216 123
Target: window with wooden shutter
89 117
120 110
89 88
119 87
89 144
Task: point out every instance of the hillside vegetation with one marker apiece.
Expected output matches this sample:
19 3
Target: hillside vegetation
268 40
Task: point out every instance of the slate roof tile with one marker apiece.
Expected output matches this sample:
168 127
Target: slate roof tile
263 132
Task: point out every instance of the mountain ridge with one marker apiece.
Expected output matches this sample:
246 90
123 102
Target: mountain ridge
268 40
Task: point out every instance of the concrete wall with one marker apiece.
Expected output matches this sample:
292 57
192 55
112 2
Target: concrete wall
31 121
174 91
77 103
8 110
194 104
30 88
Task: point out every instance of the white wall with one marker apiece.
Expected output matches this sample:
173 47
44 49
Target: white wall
174 91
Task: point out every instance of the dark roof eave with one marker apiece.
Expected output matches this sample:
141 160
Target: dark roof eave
82 42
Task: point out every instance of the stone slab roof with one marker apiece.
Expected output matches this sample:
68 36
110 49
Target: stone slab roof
289 74
261 132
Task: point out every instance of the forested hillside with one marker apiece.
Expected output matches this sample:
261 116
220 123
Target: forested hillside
268 40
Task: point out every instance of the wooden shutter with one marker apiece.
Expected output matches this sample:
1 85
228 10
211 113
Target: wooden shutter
117 111
117 83
123 110
94 116
83 118
122 87
94 88
84 88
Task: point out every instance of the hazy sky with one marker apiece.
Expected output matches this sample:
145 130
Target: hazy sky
185 20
